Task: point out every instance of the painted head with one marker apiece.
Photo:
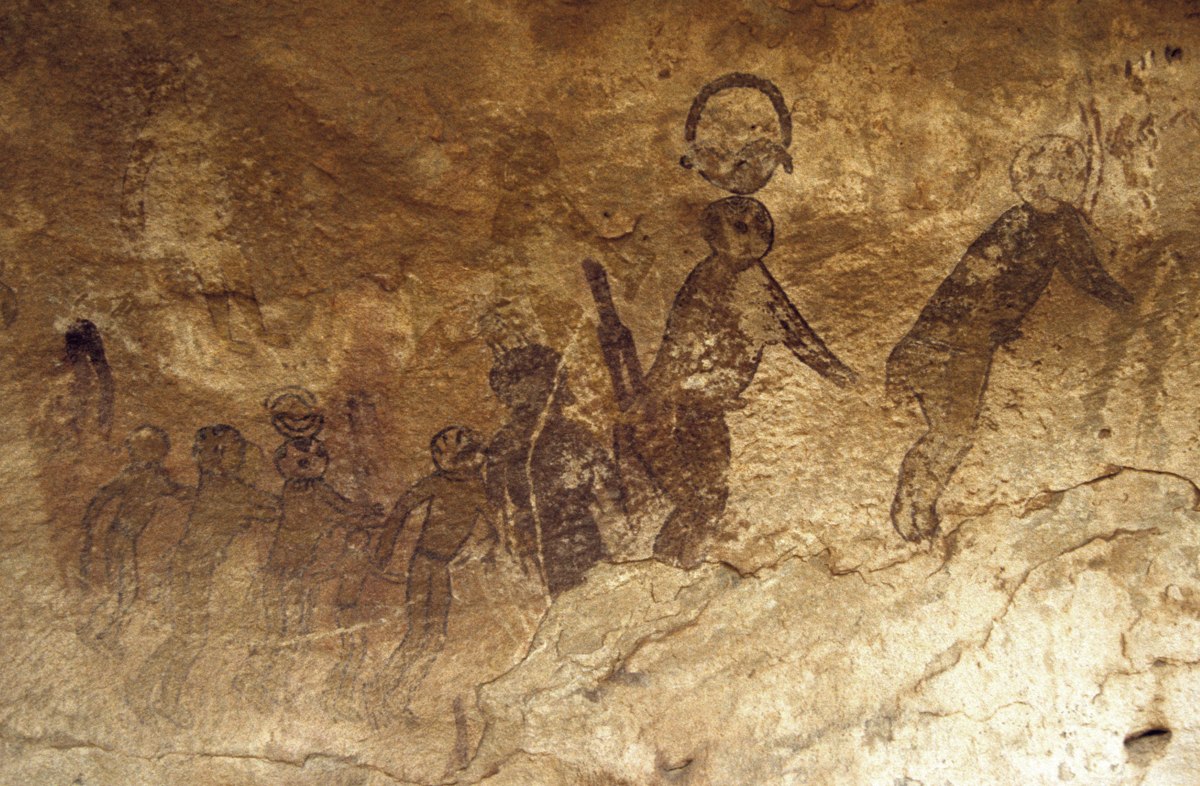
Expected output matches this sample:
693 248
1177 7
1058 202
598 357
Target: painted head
301 459
147 445
738 227
528 377
294 413
457 450
1051 171
219 450
738 131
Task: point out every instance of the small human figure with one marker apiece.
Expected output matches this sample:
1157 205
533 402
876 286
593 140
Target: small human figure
546 474
312 510
729 310
224 506
446 509
944 359
133 496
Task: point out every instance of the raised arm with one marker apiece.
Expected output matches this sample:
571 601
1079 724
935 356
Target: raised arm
801 339
1080 266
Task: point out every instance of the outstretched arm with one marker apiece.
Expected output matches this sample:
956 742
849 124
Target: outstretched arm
801 339
165 486
1080 266
397 523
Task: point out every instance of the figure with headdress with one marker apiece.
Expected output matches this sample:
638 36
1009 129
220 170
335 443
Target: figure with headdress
312 510
673 429
132 499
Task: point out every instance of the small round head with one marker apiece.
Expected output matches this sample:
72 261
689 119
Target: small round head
738 227
219 450
738 132
294 413
526 377
147 445
301 459
457 449
1050 171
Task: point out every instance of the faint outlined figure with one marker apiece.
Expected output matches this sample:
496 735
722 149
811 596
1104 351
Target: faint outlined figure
945 358
352 614
311 511
132 498
546 473
225 506
446 508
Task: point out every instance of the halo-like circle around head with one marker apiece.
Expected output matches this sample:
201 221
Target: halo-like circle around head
728 82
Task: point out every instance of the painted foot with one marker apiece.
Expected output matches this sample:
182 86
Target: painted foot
915 523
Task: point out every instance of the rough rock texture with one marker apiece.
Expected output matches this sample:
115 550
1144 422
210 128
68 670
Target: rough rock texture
862 451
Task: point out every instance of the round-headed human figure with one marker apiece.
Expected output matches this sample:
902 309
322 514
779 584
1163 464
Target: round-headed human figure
738 132
219 450
132 498
223 507
303 459
944 360
1051 171
147 445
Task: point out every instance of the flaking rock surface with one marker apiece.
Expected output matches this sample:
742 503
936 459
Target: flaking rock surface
508 393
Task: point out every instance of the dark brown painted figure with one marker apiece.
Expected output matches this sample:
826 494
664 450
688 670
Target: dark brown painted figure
729 310
446 508
132 498
944 360
225 506
546 473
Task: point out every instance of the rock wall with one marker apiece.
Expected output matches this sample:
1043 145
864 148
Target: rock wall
789 392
